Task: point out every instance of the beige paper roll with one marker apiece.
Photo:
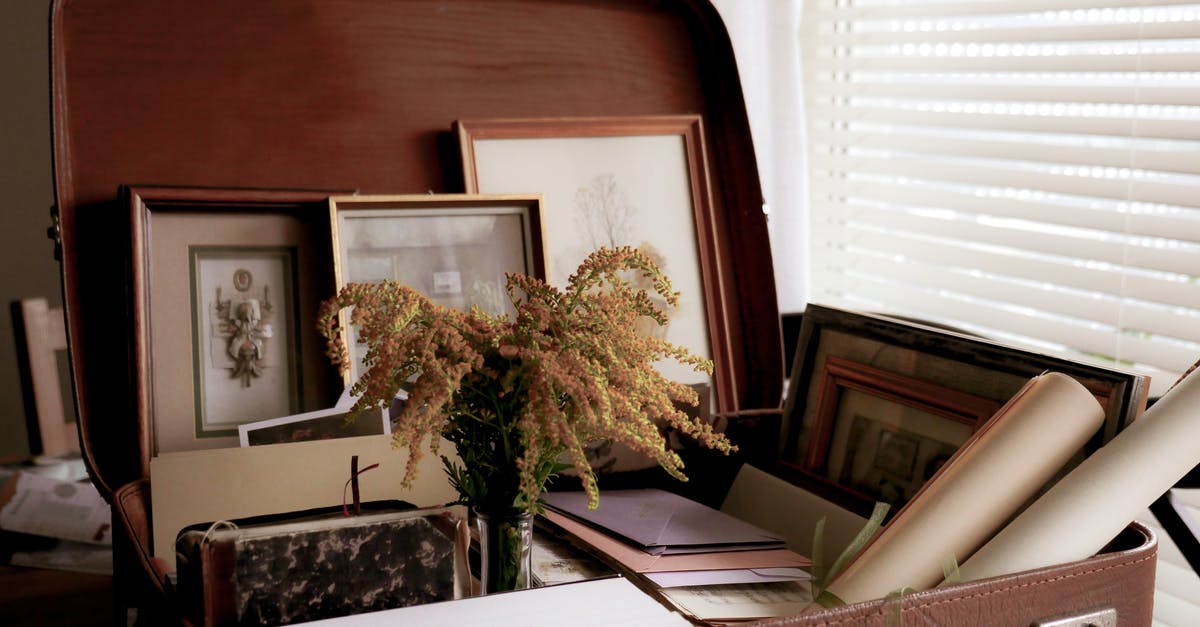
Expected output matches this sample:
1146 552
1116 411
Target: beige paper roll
1096 500
996 472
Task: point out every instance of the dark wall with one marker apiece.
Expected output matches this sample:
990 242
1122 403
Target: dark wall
27 266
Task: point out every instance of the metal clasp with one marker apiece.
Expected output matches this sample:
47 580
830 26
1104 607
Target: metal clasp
54 232
1100 618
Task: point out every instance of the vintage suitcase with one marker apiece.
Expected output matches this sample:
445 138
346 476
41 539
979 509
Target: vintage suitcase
284 569
361 94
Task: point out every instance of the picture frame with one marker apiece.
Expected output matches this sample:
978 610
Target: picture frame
323 424
937 370
881 435
454 248
597 174
226 285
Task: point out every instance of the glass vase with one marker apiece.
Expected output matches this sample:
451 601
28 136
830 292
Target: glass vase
505 551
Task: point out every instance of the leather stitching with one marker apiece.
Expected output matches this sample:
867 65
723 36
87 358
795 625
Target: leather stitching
931 603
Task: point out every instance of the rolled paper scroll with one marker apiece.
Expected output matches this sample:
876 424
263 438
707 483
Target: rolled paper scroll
994 474
1101 496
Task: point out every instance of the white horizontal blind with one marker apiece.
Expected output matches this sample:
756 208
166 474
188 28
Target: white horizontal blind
1025 170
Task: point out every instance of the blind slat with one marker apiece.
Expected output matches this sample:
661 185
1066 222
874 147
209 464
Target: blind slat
966 284
1058 87
1171 123
1181 157
1181 261
1001 202
911 9
1153 187
995 315
1181 61
1069 273
1019 328
1029 170
1029 293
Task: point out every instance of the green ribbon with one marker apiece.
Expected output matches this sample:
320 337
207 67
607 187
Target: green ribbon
894 602
893 606
821 577
828 599
950 570
818 554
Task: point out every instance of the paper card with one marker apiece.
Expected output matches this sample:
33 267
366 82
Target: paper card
682 578
190 487
44 506
741 601
323 424
763 499
558 562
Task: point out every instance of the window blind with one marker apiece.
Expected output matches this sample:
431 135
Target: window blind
1028 171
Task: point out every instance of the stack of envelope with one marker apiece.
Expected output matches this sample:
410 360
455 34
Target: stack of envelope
674 541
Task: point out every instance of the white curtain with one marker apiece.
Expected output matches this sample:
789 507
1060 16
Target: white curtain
764 35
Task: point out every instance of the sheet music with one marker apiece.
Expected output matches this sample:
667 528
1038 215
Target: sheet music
742 601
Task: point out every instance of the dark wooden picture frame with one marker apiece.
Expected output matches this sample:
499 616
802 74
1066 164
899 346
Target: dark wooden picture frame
856 402
170 226
903 356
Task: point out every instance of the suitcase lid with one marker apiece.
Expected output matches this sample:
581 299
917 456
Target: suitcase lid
361 94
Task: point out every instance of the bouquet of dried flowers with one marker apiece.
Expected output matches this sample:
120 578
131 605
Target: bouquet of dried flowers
519 395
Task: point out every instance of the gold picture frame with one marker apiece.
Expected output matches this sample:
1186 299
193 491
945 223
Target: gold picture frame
454 248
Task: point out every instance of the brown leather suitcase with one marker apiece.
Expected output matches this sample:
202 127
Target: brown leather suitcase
264 570
361 94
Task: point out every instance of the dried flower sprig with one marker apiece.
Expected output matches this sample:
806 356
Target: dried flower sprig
517 395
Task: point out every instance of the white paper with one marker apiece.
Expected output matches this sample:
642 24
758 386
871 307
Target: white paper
596 603
984 484
1095 501
68 510
741 601
680 578
556 562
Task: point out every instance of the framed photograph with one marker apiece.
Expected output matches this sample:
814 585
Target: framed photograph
929 376
226 286
882 435
454 248
244 317
324 424
620 181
